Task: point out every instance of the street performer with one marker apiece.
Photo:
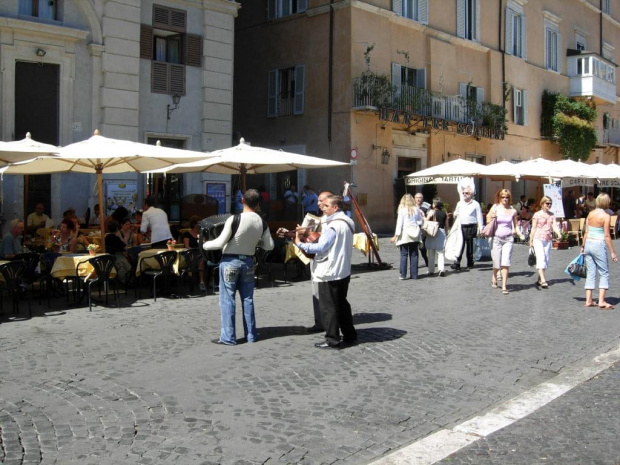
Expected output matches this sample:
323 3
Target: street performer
237 267
332 271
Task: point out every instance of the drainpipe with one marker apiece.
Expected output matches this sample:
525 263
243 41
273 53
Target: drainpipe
601 28
502 50
330 73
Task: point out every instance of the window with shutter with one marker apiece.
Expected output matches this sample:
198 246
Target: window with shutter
282 8
45 9
551 48
285 91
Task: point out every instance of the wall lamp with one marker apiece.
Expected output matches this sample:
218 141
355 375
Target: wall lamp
40 52
385 155
176 98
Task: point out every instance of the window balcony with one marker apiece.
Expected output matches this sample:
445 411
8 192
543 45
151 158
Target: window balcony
591 76
374 92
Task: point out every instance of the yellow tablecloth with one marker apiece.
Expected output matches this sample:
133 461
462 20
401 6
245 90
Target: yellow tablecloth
65 265
2 262
44 233
151 263
292 251
360 242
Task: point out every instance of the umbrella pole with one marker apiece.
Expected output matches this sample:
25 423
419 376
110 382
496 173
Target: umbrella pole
102 206
242 171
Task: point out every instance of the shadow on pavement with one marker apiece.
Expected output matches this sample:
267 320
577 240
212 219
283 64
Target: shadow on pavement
372 335
365 318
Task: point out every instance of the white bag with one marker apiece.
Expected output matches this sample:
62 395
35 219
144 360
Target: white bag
482 249
454 241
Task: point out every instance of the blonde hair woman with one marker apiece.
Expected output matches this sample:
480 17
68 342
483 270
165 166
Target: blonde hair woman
501 251
596 241
407 235
543 226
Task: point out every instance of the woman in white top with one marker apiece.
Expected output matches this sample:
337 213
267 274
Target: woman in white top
407 235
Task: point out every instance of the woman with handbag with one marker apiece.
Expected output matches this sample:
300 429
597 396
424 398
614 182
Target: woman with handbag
435 244
501 251
407 235
541 235
596 241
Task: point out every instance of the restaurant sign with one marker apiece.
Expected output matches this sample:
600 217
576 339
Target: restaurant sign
570 182
418 180
429 122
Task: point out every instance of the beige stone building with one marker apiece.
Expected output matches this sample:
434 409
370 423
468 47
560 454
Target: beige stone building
423 81
71 66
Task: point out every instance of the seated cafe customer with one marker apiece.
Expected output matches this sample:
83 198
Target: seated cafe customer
12 241
36 219
114 245
68 239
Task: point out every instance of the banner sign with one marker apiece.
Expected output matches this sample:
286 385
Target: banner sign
417 180
554 192
120 194
609 183
570 182
217 190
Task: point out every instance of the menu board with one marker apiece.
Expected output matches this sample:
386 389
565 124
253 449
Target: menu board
554 192
217 190
121 194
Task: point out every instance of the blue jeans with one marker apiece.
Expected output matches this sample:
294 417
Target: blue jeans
596 259
237 274
409 251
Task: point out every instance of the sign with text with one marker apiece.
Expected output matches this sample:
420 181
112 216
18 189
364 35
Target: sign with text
554 192
120 194
417 180
217 190
570 182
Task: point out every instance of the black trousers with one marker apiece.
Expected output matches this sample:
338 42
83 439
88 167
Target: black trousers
469 233
336 311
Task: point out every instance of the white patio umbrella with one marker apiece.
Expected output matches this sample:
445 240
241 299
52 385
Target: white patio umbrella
99 154
458 167
22 150
245 159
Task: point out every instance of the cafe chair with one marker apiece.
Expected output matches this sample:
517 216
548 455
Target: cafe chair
166 261
212 268
192 258
32 263
13 274
46 281
103 266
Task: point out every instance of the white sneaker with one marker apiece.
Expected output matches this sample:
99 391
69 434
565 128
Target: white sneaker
202 287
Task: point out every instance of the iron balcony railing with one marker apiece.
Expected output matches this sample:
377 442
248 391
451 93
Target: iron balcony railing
375 92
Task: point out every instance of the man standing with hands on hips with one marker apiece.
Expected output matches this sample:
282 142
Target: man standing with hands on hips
332 271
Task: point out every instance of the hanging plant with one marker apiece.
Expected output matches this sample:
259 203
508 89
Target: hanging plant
571 125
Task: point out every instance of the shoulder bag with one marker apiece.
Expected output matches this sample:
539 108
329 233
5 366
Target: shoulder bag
430 227
490 228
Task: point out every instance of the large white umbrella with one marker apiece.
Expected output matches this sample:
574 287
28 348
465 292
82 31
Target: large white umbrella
99 154
458 167
22 150
245 159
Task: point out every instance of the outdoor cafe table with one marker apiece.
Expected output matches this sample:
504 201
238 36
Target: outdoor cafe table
151 263
65 266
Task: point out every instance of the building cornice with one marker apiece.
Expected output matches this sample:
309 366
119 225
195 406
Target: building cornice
551 17
589 5
228 7
42 29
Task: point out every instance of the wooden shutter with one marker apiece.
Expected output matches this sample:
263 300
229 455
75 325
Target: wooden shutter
397 7
478 21
146 41
423 11
524 103
170 19
515 105
159 77
509 24
397 78
272 94
420 78
271 9
193 50
523 37
298 104
460 18
558 47
302 5
463 90
479 94
177 79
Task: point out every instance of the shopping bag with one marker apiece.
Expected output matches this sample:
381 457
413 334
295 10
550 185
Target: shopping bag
531 258
454 241
577 268
482 249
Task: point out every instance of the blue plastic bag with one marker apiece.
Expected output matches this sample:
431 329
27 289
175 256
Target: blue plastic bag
579 260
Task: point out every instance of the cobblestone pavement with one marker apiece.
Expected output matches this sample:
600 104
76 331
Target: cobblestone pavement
144 384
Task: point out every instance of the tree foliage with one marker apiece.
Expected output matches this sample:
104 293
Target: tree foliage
570 123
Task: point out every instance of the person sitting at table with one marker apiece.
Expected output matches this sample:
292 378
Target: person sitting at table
129 237
95 220
67 239
155 220
114 245
12 241
190 241
36 219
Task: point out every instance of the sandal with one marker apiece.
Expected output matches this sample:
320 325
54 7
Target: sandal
544 285
606 306
494 284
505 291
591 304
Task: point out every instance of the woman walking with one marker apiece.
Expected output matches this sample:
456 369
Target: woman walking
501 251
543 225
435 244
407 235
596 241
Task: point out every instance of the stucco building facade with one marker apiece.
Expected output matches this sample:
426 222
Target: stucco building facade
72 66
423 81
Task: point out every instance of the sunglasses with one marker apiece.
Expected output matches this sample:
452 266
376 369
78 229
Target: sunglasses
505 197
466 193
548 203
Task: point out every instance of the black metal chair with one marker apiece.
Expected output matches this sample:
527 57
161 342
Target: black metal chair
103 266
212 268
13 274
32 262
166 261
46 281
192 258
